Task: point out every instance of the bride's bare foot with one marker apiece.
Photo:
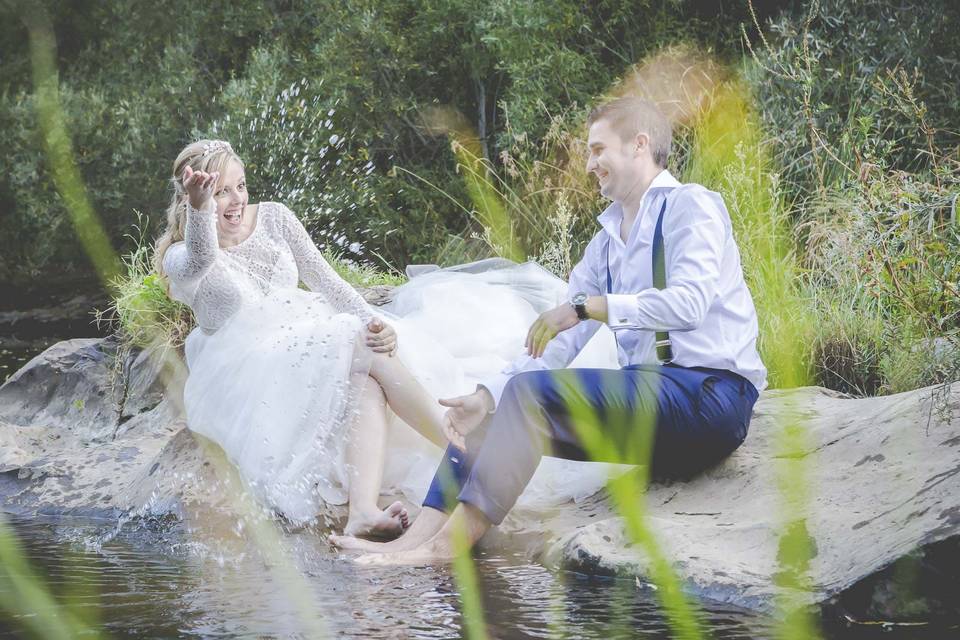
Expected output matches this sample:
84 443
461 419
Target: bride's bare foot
351 543
427 524
437 550
388 523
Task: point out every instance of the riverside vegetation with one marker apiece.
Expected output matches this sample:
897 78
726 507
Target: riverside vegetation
406 132
392 157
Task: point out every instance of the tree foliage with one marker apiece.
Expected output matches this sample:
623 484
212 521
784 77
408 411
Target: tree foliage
140 80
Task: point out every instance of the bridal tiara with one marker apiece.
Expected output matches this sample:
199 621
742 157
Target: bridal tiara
216 147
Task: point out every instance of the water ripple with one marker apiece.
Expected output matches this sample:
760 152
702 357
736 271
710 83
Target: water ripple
158 579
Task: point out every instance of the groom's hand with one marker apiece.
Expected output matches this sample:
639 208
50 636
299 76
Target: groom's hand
547 326
464 414
381 337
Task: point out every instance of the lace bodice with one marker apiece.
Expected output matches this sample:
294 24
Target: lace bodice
216 282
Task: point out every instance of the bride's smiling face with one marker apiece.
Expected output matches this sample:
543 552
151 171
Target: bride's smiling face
232 197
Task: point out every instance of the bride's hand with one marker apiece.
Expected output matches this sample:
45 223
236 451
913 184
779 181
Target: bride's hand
381 337
199 186
464 415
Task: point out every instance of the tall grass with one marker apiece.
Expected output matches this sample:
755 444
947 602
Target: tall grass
58 145
871 183
145 316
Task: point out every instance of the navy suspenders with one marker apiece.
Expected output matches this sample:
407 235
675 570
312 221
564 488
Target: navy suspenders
663 345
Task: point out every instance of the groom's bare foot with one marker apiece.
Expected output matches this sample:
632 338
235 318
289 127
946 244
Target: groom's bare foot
388 523
427 524
437 550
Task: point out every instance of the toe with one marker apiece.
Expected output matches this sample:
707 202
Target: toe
395 509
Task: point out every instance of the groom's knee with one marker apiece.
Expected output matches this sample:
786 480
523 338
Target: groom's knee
526 389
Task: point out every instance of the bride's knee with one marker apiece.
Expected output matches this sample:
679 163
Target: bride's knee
372 391
384 367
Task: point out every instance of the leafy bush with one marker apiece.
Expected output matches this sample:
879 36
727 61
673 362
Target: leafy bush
863 120
841 90
337 110
127 123
380 66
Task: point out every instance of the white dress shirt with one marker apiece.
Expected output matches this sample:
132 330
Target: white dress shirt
705 306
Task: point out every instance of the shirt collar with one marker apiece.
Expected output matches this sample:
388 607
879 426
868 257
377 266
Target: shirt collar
613 214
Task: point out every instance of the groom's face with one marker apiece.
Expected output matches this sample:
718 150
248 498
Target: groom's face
613 160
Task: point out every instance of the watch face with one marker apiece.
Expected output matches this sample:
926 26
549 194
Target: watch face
579 298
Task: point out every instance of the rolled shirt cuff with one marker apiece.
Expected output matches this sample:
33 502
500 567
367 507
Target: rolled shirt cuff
495 385
622 311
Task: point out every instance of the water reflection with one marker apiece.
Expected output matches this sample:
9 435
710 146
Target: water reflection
161 580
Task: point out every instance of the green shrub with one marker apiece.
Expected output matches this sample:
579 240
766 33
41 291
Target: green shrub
842 85
882 261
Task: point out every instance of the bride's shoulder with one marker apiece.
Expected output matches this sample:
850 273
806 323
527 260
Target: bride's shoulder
278 215
274 210
174 254
272 214
176 248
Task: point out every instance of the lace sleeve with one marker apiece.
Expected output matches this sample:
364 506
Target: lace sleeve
190 263
317 273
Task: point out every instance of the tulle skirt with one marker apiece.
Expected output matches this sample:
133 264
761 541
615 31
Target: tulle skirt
277 387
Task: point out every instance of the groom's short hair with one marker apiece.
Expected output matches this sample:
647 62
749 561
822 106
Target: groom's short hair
630 116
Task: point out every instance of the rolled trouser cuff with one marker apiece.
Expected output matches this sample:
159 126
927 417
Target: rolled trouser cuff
473 496
448 481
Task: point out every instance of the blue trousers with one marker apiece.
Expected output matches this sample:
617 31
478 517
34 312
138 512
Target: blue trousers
678 420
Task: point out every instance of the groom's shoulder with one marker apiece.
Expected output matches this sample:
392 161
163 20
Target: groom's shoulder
694 190
693 197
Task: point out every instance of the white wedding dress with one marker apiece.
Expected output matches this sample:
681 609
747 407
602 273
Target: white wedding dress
270 364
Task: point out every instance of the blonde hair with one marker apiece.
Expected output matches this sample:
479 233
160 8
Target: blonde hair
203 155
630 116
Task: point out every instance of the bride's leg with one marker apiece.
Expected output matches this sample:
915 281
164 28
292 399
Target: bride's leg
366 449
407 397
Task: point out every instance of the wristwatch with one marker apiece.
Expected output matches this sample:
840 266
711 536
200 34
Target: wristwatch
579 304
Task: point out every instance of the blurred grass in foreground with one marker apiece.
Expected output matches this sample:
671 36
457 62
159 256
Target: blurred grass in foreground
730 156
148 318
724 149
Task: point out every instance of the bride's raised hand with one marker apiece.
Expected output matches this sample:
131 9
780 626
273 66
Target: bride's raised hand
199 186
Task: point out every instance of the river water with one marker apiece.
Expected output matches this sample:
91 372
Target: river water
158 580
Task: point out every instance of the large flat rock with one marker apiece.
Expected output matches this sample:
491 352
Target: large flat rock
882 484
881 487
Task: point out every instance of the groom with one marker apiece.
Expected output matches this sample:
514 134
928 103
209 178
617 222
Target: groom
664 274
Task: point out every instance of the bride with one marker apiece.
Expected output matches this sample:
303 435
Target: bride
293 385
306 391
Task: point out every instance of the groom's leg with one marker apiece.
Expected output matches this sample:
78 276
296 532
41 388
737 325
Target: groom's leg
627 416
453 471
529 391
449 479
540 413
